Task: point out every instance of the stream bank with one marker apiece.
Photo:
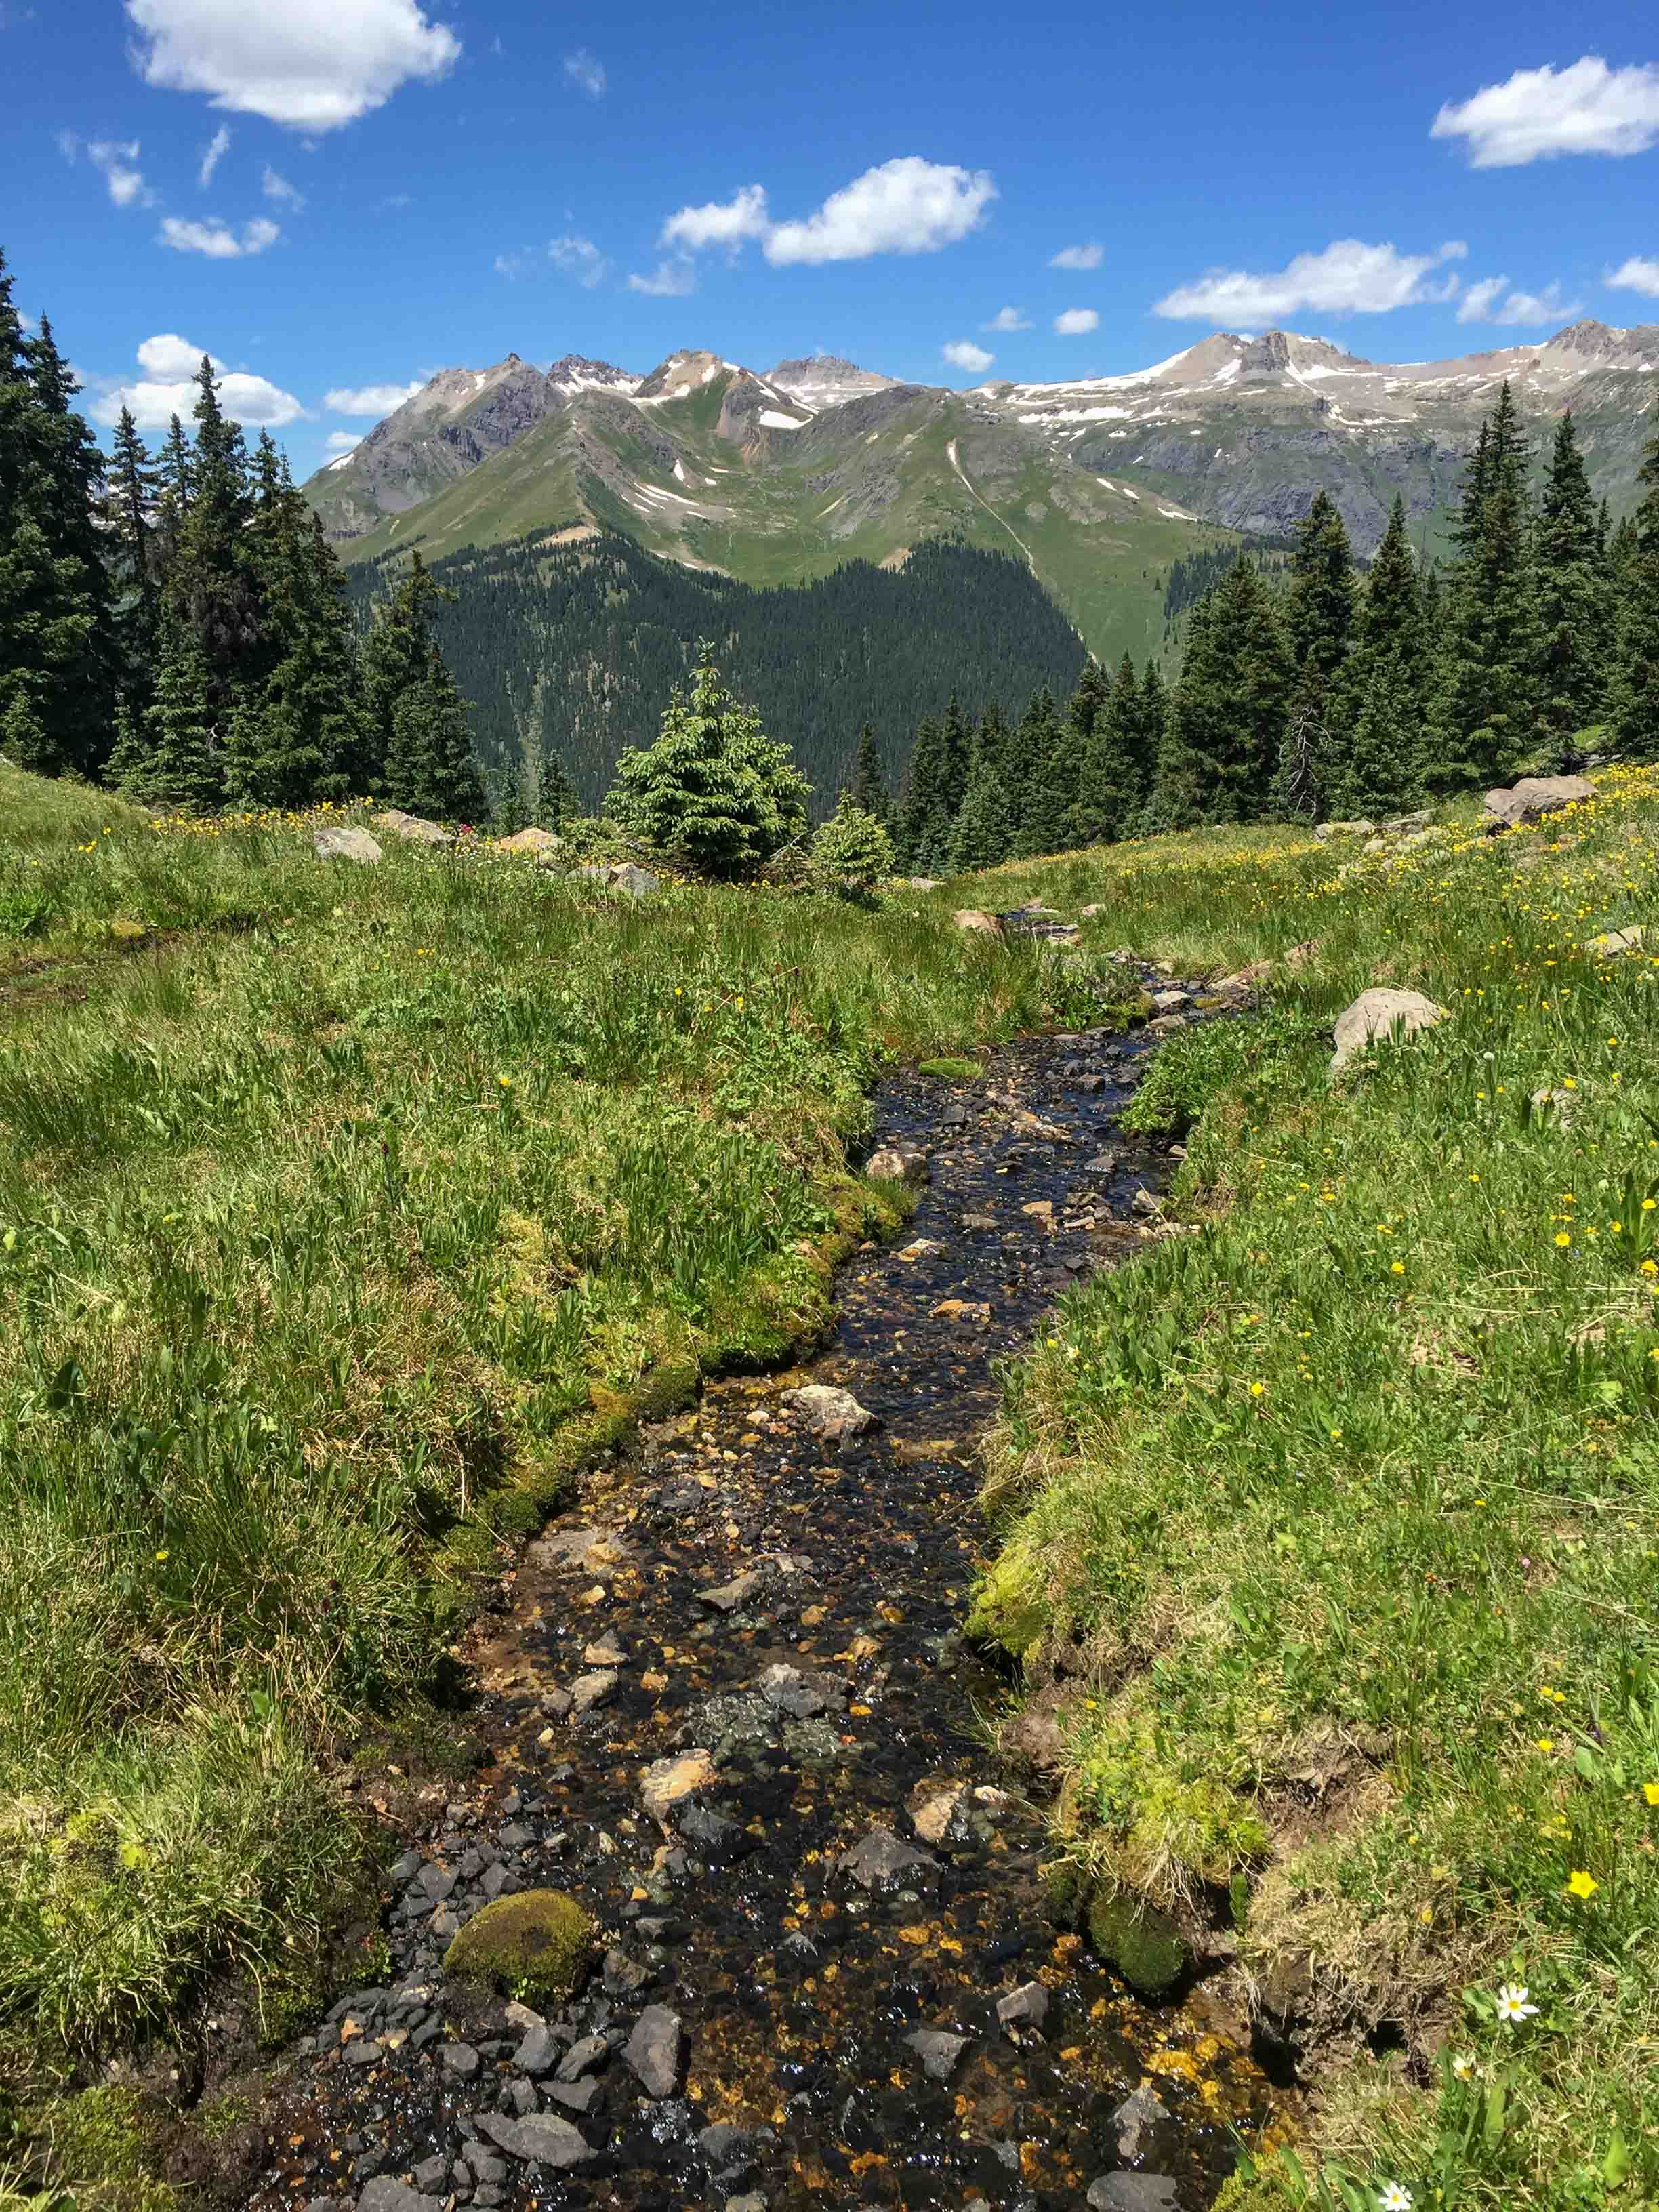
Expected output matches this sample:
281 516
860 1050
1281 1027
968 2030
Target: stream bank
839 1941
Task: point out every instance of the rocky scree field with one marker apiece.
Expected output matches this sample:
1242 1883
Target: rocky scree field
1328 1532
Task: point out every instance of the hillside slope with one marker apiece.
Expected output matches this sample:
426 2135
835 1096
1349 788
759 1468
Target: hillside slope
569 651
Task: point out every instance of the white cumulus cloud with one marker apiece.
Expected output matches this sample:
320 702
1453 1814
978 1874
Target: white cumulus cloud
1078 257
212 153
216 238
720 222
1348 278
168 388
341 442
310 64
1585 108
586 72
169 359
669 280
277 188
905 206
376 399
1008 318
1636 274
1491 301
1074 321
963 353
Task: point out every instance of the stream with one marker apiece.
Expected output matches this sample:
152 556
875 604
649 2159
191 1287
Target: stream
830 1974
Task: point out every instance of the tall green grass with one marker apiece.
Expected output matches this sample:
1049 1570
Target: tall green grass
341 1209
1351 1496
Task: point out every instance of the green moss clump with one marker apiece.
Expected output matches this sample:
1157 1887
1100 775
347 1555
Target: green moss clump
953 1071
104 2144
1142 1943
535 1943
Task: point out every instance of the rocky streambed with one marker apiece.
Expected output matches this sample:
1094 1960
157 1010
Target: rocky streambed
730 1711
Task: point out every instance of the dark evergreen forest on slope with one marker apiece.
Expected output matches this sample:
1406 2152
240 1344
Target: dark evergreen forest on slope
571 651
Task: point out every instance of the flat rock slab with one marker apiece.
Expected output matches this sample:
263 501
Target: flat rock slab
1025 2007
656 2049
414 828
532 842
1611 941
539 2135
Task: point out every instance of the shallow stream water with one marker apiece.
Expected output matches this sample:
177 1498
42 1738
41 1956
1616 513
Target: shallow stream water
736 1544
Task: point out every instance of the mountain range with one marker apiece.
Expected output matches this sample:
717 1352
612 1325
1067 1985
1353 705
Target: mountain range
1100 485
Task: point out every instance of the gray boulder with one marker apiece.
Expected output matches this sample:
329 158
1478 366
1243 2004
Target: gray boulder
938 2050
1520 805
1611 941
1374 1014
656 2049
828 1411
1132 2192
336 841
386 2194
414 829
879 1862
1326 830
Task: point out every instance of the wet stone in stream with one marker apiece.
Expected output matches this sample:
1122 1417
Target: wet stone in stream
731 1714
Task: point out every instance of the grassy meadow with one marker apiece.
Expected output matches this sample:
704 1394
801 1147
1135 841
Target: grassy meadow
1340 1513
343 1210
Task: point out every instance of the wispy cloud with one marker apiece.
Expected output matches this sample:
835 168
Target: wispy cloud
586 72
341 442
1347 278
1008 318
313 65
117 159
669 280
277 188
216 239
1075 321
1491 301
963 353
212 153
580 259
1078 257
375 399
1535 114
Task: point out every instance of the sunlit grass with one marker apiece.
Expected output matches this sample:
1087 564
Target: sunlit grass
1351 1495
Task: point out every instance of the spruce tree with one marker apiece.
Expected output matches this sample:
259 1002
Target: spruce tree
1489 718
180 761
983 834
1378 758
922 844
1149 721
867 785
173 469
1228 715
395 658
1575 601
1112 781
1044 780
56 632
211 583
1635 715
714 786
1319 608
429 769
129 510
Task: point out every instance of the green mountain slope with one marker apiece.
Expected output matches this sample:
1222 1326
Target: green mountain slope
716 468
569 651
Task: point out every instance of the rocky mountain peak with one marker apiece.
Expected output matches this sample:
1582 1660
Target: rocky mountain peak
826 379
684 373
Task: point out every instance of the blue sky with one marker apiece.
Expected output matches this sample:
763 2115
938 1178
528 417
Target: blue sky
336 197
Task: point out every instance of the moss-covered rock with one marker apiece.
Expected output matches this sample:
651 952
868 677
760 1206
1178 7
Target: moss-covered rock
535 1944
952 1070
1142 1943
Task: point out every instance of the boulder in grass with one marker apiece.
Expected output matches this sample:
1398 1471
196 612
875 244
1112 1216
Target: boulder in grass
1611 941
337 840
1374 1014
1518 806
414 829
974 923
532 842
